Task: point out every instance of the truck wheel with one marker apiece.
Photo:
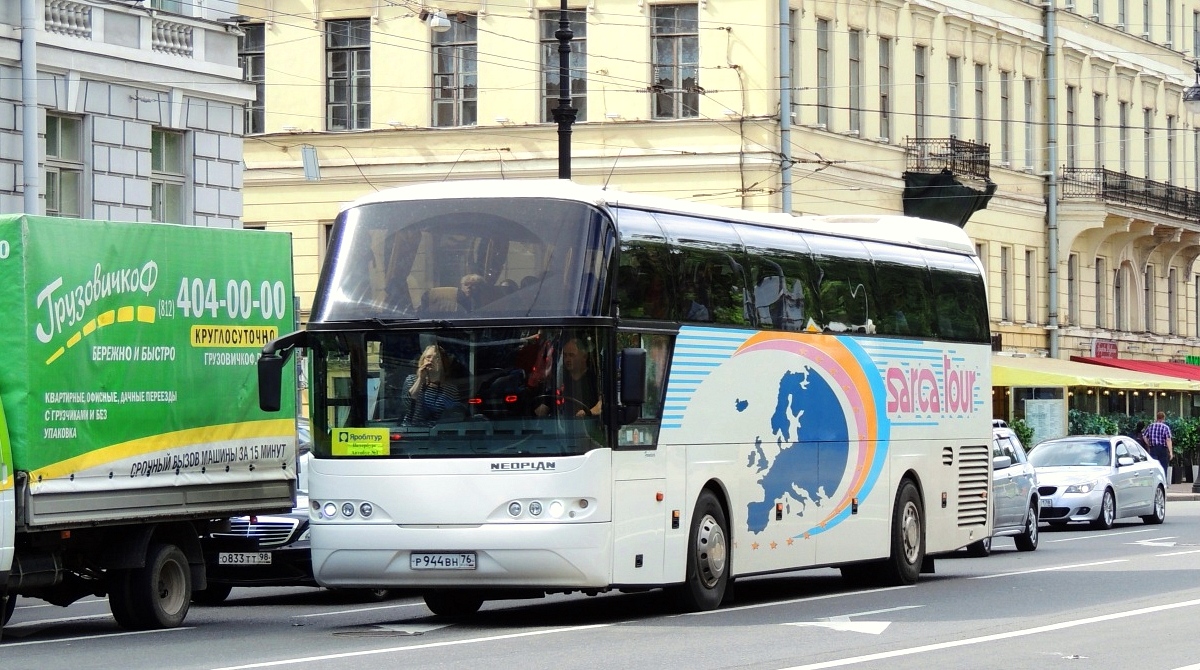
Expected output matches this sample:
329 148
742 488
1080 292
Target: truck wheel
707 558
118 599
908 537
161 590
215 594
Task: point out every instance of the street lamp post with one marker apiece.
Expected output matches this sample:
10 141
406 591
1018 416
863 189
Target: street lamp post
564 114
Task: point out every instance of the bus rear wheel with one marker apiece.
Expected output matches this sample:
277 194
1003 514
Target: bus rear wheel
450 603
903 566
707 559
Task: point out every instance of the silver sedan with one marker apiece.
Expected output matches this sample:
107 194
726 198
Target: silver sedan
1098 479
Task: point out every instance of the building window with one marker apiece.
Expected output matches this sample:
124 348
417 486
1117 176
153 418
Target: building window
173 6
919 89
1123 15
348 74
1196 162
981 253
823 72
1006 284
167 176
676 39
64 165
1123 135
1098 129
1073 290
981 114
1170 44
1148 140
1098 10
1029 123
1148 297
1171 150
1006 118
252 54
1072 127
1030 286
1101 294
1119 322
1146 19
1172 305
1196 53
577 20
856 80
885 87
456 74
954 78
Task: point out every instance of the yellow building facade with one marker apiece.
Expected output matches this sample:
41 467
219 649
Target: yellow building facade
1074 113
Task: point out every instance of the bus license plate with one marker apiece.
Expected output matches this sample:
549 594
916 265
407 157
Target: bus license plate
457 561
244 558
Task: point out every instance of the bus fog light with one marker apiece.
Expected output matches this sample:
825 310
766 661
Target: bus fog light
329 510
514 508
535 508
556 509
366 509
348 509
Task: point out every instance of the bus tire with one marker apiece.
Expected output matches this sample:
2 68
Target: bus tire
160 592
451 603
707 573
8 605
908 537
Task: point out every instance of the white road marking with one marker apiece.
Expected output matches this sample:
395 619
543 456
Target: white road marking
1181 553
42 622
846 617
1155 542
869 627
774 603
854 660
5 645
1051 569
1092 536
415 647
44 604
359 609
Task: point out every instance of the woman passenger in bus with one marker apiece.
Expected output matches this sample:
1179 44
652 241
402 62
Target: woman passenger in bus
428 392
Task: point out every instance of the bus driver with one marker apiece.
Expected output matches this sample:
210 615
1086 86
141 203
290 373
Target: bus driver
580 387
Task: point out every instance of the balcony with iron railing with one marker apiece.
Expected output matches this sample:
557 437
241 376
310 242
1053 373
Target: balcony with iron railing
1120 188
934 154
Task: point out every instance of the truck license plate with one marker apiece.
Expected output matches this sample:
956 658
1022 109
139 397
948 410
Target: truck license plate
464 560
244 558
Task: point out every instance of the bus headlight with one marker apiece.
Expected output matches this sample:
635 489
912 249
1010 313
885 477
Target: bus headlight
556 509
514 508
348 509
329 511
366 509
535 508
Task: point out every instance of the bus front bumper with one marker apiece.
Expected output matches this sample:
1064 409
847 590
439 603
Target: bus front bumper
542 555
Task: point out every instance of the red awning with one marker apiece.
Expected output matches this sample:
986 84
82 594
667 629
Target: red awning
1180 370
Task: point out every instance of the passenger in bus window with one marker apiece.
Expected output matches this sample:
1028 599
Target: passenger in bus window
428 393
470 291
580 391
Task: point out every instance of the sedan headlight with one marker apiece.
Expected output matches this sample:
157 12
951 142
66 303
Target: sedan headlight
1085 487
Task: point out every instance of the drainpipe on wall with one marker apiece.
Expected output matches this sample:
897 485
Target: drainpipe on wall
29 106
785 106
1052 173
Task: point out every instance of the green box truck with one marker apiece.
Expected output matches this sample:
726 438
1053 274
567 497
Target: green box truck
129 418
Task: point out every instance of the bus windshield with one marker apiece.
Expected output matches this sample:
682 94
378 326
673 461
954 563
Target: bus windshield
478 392
464 258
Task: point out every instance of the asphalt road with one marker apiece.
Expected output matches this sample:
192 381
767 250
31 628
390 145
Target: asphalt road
1125 598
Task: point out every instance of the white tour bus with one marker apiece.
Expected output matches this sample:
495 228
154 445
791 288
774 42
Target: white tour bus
527 387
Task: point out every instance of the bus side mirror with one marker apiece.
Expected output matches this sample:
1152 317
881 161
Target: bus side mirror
633 377
275 355
270 374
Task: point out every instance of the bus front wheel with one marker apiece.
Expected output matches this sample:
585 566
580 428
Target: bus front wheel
707 557
451 603
908 537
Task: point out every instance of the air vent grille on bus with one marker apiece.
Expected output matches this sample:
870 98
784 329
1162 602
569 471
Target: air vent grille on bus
947 455
973 485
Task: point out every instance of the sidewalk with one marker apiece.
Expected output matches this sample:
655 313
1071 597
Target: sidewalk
1181 492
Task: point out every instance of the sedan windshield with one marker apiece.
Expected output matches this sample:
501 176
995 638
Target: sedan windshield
438 394
1072 452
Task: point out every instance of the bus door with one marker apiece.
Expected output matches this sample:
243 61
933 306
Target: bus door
641 507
